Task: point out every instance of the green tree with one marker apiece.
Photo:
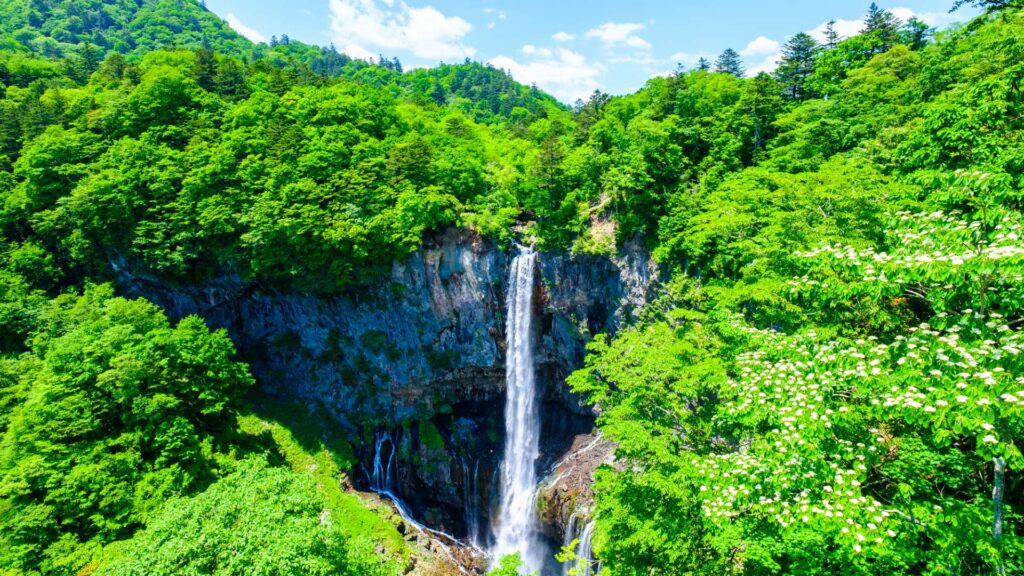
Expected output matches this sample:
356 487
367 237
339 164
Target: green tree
831 35
729 63
122 412
204 70
797 64
883 26
258 520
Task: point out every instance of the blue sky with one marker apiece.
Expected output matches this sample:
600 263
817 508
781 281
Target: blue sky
568 47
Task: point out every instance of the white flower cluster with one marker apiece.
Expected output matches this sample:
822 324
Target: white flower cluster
926 244
797 469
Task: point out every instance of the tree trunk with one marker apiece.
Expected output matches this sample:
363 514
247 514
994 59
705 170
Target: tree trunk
998 485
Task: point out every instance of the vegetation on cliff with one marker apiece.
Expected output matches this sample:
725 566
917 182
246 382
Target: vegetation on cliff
830 382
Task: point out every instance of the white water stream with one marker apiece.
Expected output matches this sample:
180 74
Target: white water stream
517 529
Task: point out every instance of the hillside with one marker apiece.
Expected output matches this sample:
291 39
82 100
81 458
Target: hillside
799 295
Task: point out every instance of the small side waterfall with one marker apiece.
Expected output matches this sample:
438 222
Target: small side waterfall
380 480
571 533
585 553
584 564
517 524
471 497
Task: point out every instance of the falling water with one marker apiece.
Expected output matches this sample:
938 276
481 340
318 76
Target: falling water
584 565
517 528
471 498
570 535
380 482
585 553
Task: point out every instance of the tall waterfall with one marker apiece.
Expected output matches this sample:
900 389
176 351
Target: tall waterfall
517 528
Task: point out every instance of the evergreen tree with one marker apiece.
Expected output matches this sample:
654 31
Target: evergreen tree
438 95
230 79
916 34
831 36
703 64
762 103
89 61
883 25
729 63
205 70
797 64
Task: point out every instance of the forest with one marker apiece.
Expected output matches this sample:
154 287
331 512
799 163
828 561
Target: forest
829 381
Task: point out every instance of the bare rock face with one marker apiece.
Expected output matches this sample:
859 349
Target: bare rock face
568 488
420 352
428 335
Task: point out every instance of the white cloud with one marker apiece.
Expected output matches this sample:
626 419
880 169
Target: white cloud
638 42
531 50
934 19
564 73
768 65
613 34
845 29
498 14
563 37
761 46
250 33
362 25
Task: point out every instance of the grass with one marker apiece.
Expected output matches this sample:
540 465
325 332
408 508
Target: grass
313 444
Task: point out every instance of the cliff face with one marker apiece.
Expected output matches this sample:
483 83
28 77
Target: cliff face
429 335
420 354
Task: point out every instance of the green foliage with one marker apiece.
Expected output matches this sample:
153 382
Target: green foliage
832 381
120 411
508 566
258 520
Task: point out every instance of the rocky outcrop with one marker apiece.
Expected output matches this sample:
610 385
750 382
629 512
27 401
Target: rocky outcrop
567 489
419 352
424 337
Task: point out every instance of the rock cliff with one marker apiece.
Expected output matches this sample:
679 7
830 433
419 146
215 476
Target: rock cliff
420 352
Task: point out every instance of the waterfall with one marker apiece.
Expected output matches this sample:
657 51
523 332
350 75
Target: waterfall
471 497
380 481
571 534
517 527
585 553
584 564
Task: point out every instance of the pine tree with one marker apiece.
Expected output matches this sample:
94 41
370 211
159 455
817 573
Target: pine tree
230 79
703 64
729 63
438 95
87 63
883 25
205 70
831 36
797 64
916 34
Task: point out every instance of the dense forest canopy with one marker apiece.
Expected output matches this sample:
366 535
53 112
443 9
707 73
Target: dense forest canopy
831 380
